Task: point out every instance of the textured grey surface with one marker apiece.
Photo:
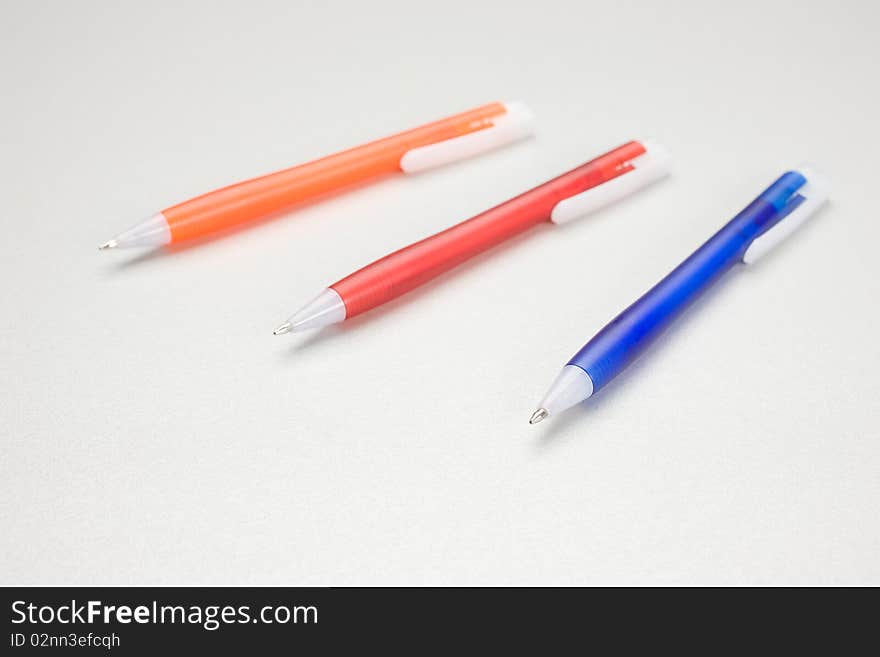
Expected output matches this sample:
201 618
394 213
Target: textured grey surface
154 431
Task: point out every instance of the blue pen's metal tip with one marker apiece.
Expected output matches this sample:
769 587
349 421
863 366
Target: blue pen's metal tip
538 415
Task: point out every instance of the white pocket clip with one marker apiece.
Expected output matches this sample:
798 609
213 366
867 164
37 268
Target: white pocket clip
814 193
649 167
515 124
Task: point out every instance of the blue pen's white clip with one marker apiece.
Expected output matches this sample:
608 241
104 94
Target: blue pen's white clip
516 123
814 194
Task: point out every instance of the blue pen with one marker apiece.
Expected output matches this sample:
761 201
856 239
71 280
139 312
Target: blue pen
765 222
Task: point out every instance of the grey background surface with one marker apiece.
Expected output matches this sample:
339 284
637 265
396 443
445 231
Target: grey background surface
154 431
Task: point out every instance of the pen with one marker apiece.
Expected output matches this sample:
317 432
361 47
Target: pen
582 190
765 222
447 140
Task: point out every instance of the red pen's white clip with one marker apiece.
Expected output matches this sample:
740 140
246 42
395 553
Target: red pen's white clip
649 167
515 124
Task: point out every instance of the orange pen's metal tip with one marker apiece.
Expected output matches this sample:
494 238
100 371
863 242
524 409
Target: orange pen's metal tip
284 328
109 244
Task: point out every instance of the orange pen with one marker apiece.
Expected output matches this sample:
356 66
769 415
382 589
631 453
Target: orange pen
447 140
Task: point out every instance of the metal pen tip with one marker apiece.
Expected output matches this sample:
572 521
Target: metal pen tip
109 244
538 415
284 328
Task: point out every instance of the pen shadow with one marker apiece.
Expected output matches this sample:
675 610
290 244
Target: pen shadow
617 388
378 315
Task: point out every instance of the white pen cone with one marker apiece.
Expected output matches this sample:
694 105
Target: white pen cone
571 387
153 231
325 309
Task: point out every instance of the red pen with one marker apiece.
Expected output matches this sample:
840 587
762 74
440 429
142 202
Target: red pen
582 190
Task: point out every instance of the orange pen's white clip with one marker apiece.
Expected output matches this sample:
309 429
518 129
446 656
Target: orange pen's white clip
515 124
